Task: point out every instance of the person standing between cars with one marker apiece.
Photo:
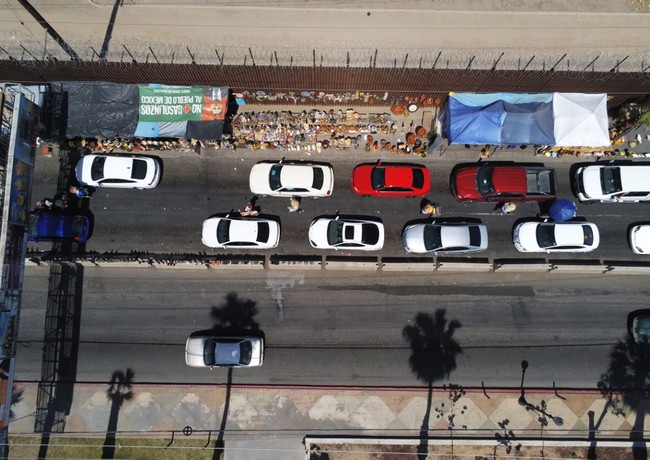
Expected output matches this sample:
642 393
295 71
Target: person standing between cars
294 205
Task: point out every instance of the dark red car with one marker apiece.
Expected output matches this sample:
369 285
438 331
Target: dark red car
390 179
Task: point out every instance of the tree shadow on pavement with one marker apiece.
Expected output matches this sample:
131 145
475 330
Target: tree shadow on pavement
629 372
235 317
119 390
433 358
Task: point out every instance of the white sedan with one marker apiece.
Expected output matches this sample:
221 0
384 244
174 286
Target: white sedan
556 237
639 238
445 238
240 232
290 178
347 233
118 171
204 351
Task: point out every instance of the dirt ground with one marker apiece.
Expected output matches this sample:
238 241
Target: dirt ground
462 452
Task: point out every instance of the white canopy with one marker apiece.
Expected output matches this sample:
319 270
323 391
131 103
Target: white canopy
580 120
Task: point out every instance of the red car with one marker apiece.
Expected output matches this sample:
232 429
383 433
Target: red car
390 179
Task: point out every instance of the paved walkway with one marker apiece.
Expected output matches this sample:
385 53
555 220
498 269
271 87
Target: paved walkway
286 415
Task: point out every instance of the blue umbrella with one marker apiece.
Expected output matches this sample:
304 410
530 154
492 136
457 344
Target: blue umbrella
562 210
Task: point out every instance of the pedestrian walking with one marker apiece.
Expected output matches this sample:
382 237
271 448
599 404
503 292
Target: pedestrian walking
430 209
294 205
506 207
80 192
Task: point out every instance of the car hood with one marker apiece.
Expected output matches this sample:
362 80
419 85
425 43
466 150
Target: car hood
591 182
318 233
526 236
209 232
258 179
194 352
641 238
465 183
361 179
413 238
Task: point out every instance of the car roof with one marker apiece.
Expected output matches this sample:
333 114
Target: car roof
454 235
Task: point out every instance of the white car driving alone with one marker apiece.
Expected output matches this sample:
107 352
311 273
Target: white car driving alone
206 351
291 178
358 234
237 232
573 236
118 171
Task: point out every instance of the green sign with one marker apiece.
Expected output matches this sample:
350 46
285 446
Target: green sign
175 103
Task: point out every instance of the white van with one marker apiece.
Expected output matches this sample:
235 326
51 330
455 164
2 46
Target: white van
612 183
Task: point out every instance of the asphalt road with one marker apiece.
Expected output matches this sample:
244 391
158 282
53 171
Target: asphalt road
168 219
341 328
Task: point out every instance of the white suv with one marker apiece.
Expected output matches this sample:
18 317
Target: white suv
612 183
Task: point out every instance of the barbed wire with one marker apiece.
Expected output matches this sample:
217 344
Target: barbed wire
363 54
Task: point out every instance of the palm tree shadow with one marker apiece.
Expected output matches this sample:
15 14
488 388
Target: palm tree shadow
629 371
433 358
119 390
235 317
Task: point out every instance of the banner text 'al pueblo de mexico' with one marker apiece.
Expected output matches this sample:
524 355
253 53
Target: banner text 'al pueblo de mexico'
181 103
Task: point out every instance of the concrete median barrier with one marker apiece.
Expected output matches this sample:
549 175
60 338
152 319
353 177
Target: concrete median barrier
407 264
351 263
469 265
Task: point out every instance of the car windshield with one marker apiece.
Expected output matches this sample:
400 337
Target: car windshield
139 170
432 237
369 234
318 178
484 181
378 178
274 177
209 349
97 168
335 232
610 180
245 352
418 178
545 236
589 235
262 232
474 236
223 231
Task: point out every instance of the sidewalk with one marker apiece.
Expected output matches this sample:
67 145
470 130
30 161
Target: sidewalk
281 417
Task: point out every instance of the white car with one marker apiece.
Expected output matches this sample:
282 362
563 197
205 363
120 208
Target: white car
212 352
290 178
240 232
556 237
117 171
612 183
346 233
445 238
639 238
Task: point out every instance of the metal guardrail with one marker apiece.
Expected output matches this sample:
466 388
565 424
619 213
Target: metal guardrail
333 262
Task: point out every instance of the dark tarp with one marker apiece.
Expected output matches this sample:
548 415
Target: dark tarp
110 110
204 129
100 109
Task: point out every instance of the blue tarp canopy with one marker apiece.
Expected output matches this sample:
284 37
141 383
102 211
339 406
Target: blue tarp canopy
499 122
564 119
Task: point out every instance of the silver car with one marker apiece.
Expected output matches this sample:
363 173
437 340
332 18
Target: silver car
206 351
445 238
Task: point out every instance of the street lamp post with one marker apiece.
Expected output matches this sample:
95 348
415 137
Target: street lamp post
559 421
